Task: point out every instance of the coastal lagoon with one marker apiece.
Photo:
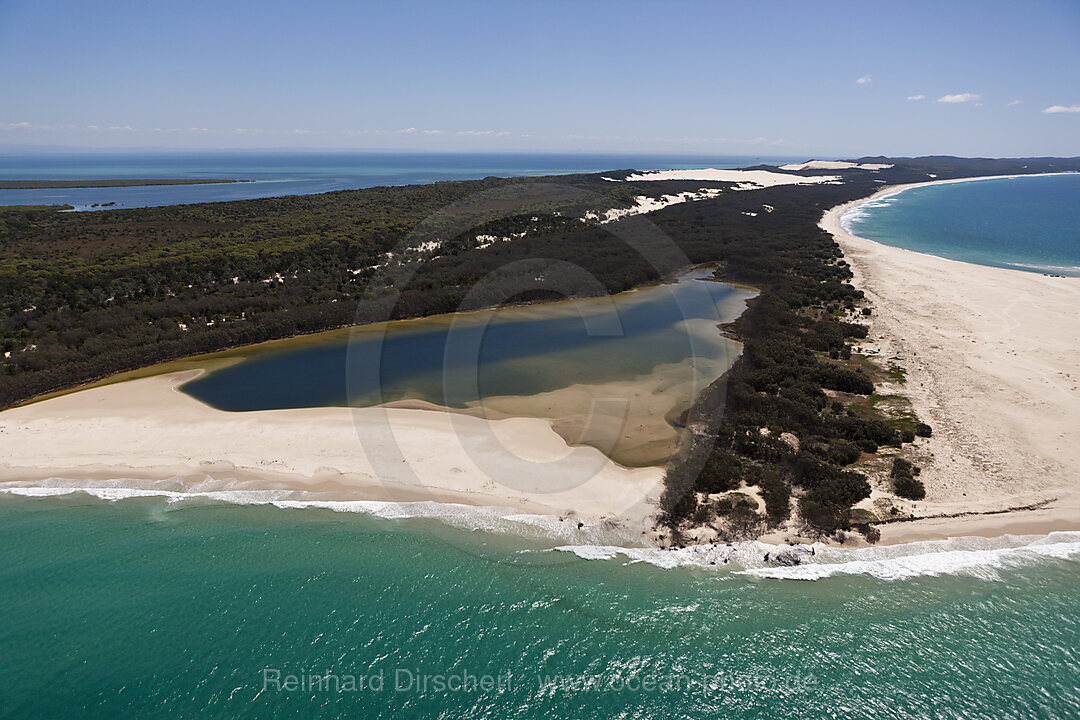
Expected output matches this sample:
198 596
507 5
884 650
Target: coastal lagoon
1026 223
638 358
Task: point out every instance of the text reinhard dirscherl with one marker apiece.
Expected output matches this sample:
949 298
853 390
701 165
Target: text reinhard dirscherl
411 680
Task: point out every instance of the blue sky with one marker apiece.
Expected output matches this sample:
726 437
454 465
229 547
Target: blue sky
782 78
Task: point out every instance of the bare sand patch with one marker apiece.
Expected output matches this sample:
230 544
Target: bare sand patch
147 431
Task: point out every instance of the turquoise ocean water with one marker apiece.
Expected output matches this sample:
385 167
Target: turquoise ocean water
159 607
1027 223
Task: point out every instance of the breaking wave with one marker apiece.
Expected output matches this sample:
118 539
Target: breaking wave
466 517
969 556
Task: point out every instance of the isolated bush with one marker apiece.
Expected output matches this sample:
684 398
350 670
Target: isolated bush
923 430
905 484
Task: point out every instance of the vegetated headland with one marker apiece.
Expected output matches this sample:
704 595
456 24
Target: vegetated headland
88 296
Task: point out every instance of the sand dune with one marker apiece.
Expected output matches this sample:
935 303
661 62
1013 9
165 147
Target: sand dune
834 165
748 179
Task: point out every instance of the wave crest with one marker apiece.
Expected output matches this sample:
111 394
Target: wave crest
467 517
971 556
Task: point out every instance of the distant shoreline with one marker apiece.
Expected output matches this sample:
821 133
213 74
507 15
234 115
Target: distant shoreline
66 184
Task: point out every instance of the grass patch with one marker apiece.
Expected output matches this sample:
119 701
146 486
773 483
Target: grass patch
895 373
896 409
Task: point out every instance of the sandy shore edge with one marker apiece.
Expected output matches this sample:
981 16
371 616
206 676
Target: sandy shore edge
145 433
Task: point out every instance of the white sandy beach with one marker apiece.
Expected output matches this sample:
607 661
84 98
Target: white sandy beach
992 365
151 435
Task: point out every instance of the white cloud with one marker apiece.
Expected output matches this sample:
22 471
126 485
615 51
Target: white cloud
1015 102
916 97
757 141
23 125
959 98
1062 109
864 80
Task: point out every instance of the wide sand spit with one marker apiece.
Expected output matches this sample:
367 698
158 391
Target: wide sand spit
993 365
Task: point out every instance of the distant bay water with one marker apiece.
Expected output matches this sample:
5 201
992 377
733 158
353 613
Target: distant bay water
1026 223
275 174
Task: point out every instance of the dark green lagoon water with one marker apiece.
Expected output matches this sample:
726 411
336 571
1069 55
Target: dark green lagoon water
456 361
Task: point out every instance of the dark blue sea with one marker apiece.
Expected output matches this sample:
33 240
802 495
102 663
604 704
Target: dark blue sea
1026 223
274 174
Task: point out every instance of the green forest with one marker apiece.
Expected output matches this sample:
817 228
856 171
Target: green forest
88 295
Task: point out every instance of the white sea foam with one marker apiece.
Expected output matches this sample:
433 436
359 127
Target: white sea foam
1047 268
860 211
468 517
742 555
975 557
970 556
